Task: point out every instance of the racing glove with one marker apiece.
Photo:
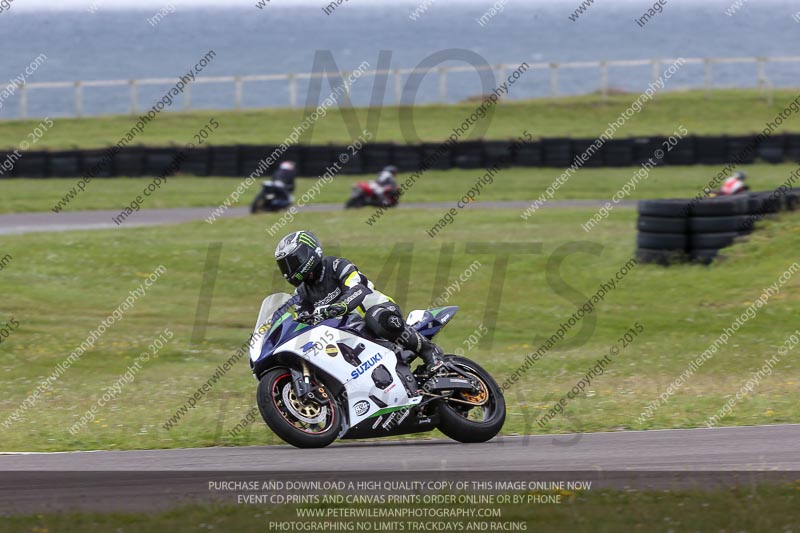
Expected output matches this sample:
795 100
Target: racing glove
331 311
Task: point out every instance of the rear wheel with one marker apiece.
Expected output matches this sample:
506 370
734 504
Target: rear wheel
473 417
301 424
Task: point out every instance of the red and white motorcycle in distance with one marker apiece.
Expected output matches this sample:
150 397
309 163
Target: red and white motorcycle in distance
369 193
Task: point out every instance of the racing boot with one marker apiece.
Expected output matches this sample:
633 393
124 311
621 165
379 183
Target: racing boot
429 352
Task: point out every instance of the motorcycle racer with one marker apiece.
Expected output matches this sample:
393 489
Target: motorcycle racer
329 287
286 174
386 185
734 185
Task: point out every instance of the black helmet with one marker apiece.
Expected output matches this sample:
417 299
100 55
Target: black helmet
741 175
298 254
391 169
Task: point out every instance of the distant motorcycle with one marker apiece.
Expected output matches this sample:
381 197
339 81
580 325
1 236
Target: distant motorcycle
369 193
273 196
323 379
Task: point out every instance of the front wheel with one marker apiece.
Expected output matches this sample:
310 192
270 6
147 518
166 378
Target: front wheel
301 424
472 417
357 200
258 205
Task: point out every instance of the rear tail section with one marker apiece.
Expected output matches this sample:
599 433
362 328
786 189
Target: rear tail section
429 322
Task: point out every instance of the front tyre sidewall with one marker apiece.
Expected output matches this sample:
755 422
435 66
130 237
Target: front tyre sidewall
281 427
355 201
455 426
258 204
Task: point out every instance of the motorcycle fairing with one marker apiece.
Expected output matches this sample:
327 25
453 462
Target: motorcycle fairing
429 322
319 347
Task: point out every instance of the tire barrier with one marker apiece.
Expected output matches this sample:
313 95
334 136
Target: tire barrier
312 160
737 148
773 149
224 161
316 159
711 150
791 148
678 231
529 155
498 152
663 231
683 153
406 157
195 162
33 165
64 164
93 161
469 154
619 153
559 152
435 156
156 161
376 157
129 163
580 147
644 147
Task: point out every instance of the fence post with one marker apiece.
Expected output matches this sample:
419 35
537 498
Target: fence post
78 99
708 76
553 80
132 85
604 80
23 101
762 77
292 91
187 97
442 85
238 92
656 70
398 89
346 76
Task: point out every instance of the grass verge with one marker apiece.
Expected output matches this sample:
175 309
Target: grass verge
23 195
725 111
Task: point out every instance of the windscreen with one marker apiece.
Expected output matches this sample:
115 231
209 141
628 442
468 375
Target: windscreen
268 307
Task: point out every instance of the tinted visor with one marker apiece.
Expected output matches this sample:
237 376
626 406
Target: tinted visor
289 266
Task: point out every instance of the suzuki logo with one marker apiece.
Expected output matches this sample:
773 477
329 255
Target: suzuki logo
366 366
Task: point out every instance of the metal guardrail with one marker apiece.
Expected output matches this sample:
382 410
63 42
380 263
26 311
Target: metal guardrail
762 82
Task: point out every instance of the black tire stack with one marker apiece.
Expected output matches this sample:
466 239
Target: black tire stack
663 231
678 231
715 223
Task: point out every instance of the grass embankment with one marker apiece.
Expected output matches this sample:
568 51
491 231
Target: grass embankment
727 111
22 195
59 286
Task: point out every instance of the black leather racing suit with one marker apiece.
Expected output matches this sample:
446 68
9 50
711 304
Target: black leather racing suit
287 177
338 281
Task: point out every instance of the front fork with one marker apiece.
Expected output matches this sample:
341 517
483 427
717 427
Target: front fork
305 389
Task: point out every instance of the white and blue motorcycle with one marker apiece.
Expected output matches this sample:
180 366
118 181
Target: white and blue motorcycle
323 379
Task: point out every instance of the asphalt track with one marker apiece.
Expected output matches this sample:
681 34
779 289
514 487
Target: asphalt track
150 480
20 223
729 448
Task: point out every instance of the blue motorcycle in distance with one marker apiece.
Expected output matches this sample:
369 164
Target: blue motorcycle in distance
273 196
323 379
